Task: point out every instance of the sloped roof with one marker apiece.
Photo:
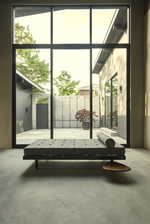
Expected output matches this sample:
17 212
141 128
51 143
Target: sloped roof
30 83
33 10
116 30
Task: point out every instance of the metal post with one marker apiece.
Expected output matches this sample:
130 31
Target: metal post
91 89
36 164
51 78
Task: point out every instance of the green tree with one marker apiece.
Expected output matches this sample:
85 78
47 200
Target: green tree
65 85
28 60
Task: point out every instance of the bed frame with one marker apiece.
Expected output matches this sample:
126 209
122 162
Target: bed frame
72 149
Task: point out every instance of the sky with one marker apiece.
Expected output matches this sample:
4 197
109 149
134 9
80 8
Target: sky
70 26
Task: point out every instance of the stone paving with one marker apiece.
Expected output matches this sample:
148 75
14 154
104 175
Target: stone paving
30 136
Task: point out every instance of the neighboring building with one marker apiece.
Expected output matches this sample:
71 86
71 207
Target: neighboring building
112 67
24 88
85 90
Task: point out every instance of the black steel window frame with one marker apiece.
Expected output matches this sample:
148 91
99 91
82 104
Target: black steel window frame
83 46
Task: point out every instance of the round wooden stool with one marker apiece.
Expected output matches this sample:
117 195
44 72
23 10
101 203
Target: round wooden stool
115 166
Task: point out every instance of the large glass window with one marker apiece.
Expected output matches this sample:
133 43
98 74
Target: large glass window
110 25
114 103
32 77
70 68
111 103
71 94
110 75
107 108
71 25
32 25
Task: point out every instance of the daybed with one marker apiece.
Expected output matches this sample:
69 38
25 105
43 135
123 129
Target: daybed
102 148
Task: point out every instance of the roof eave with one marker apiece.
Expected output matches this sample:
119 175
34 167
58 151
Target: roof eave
116 31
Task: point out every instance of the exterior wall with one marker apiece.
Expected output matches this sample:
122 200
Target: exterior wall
23 109
116 63
137 66
147 76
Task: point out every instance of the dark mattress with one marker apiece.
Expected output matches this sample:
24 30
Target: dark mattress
70 147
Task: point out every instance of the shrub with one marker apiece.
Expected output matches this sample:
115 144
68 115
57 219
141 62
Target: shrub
84 115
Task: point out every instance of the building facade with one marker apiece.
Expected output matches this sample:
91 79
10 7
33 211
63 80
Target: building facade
111 66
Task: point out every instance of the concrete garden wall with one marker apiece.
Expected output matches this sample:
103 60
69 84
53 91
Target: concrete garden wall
65 108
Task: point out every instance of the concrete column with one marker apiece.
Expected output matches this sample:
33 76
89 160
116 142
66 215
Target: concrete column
137 75
5 77
147 76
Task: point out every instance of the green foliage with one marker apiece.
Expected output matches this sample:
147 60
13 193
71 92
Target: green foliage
28 60
65 85
23 35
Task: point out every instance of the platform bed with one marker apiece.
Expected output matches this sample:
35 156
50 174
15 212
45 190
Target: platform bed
73 149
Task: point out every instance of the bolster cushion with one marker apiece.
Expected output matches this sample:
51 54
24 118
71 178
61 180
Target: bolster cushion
106 140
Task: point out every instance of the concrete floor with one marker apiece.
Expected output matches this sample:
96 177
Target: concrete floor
30 136
73 192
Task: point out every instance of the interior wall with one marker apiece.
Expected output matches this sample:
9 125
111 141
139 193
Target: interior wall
137 75
147 77
5 77
137 66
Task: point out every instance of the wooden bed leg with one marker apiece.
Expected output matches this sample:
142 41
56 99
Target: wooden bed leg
36 164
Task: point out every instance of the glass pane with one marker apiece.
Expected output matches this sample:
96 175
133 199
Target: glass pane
32 25
71 94
110 25
108 104
114 89
109 77
70 25
32 95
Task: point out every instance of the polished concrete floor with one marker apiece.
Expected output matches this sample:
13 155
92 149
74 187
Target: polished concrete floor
73 192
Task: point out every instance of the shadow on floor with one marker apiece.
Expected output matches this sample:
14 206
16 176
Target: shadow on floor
78 169
4 150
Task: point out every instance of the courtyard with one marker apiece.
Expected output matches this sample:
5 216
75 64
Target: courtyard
27 137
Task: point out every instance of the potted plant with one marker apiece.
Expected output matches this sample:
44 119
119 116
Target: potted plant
83 116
